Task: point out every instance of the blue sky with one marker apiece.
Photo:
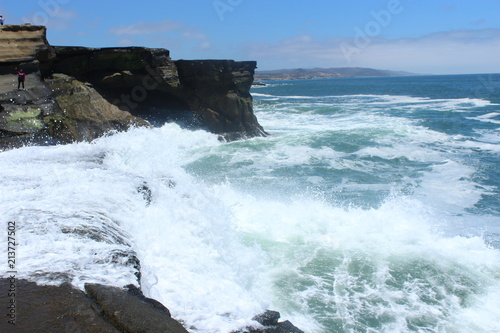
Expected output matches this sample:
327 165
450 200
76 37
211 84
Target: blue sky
422 36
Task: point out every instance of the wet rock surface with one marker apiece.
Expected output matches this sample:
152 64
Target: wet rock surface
132 312
63 309
33 308
51 309
271 324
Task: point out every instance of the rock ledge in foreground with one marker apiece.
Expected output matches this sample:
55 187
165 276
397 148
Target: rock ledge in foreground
63 309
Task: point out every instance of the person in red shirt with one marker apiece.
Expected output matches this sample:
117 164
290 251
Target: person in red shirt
21 76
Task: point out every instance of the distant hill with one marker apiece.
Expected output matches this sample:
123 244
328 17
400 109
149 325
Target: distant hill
323 73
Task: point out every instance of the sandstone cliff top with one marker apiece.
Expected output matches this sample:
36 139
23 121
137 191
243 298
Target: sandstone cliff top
21 42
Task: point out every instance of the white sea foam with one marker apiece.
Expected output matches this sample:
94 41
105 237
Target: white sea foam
440 103
216 253
489 118
401 101
273 84
304 238
68 224
450 187
216 256
266 97
76 206
244 247
489 136
479 145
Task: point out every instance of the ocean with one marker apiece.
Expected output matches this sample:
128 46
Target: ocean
372 206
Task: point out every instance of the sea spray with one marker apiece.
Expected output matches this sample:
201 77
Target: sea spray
336 220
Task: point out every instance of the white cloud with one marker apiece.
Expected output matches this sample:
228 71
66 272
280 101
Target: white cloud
461 51
64 14
458 51
299 39
193 35
145 28
54 17
168 34
205 45
126 42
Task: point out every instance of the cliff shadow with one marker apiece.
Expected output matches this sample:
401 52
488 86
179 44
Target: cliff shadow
157 107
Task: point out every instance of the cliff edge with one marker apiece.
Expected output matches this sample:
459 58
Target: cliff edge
78 94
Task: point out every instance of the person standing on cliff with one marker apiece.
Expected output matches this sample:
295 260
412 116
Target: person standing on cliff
1 20
21 76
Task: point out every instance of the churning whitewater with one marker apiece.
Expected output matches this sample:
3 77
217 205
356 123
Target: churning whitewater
373 206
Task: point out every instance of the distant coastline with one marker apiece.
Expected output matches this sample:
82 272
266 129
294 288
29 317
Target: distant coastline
325 73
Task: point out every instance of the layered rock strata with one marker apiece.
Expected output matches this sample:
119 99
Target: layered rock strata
24 43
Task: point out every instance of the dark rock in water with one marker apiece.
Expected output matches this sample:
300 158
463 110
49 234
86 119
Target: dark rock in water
285 327
269 320
63 309
133 290
127 258
282 327
146 193
130 313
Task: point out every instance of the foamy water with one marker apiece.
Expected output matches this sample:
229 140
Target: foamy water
348 218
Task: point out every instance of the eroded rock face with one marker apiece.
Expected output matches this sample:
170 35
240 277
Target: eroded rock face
83 114
219 92
60 109
214 94
114 88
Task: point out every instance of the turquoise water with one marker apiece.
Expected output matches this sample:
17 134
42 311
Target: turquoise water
373 206
363 179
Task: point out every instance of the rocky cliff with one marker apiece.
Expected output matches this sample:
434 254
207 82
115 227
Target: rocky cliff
77 93
24 43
